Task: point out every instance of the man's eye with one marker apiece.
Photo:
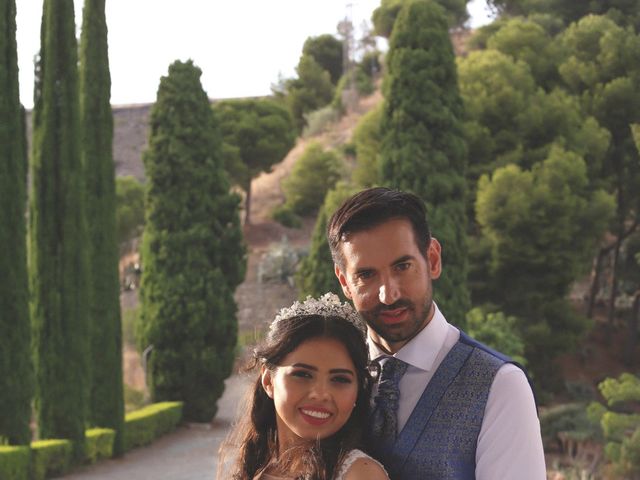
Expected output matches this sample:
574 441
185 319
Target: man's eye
364 275
403 266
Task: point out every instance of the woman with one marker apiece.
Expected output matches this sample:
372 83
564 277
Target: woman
310 401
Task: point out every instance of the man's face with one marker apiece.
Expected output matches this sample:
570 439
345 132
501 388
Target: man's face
389 281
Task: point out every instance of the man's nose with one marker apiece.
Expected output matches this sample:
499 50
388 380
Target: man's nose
389 291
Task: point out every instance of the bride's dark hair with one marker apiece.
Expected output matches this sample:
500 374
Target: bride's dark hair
255 436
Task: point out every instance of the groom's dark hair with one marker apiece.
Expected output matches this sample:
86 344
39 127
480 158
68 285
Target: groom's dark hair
372 207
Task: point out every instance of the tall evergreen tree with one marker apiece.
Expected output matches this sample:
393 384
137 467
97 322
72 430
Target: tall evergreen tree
106 399
423 148
58 240
192 254
16 376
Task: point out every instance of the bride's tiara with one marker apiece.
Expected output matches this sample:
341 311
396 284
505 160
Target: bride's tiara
328 305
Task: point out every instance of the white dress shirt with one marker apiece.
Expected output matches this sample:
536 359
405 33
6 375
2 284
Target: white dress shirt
509 444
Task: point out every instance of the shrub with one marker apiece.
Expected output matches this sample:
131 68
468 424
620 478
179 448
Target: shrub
148 423
99 443
314 174
278 263
14 462
318 120
285 216
50 458
129 207
570 418
498 331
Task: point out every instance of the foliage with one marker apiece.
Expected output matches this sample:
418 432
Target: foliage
498 331
50 458
318 120
620 422
384 17
58 256
423 148
316 172
367 137
278 264
16 374
257 133
624 12
99 443
129 208
14 462
310 91
566 418
541 226
144 425
106 398
193 254
327 51
315 275
285 216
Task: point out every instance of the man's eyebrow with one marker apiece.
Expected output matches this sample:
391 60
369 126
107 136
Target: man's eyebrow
402 259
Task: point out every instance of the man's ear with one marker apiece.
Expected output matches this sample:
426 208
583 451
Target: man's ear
343 280
267 381
434 257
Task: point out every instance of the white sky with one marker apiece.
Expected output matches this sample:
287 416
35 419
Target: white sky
240 45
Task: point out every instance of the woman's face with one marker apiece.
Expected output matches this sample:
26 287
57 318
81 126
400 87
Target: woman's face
314 390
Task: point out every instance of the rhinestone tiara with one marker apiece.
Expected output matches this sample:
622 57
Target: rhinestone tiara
327 305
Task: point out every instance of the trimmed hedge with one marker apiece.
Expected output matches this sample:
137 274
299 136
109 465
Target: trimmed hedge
14 462
99 443
148 423
50 458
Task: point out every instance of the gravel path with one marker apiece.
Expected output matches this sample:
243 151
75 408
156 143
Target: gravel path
189 453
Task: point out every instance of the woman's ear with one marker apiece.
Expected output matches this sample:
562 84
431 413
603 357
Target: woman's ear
267 383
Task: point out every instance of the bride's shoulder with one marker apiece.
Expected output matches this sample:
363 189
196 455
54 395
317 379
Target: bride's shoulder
357 465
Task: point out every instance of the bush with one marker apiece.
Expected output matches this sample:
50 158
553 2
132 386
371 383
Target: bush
285 216
498 331
129 207
318 120
133 399
50 458
278 263
99 443
14 462
144 425
569 418
314 174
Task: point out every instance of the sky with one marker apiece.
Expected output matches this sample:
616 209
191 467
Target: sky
241 46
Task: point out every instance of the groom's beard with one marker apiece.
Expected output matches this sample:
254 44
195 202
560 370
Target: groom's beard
416 319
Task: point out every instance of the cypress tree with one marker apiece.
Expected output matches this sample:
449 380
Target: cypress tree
192 254
16 376
106 399
58 240
423 148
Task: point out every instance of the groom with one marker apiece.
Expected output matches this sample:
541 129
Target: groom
446 406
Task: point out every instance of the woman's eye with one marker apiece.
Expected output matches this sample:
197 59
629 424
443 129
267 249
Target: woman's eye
341 379
301 374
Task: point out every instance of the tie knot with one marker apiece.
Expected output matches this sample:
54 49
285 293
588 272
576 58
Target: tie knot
392 370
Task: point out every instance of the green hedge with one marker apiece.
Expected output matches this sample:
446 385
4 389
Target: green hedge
99 443
148 423
14 462
50 458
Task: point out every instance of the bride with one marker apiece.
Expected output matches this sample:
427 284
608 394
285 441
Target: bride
310 399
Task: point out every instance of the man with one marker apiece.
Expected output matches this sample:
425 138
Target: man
446 407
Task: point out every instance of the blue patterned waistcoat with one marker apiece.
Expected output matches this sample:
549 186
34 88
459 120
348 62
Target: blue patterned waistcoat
439 440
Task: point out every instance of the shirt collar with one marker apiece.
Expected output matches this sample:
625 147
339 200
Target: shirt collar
421 351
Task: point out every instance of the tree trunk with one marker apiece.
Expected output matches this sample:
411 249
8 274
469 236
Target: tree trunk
614 282
247 203
593 292
632 336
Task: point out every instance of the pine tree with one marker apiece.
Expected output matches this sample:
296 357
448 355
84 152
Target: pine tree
423 148
16 376
192 253
106 399
58 262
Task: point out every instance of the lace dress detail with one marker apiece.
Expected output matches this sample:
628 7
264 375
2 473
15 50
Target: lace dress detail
350 459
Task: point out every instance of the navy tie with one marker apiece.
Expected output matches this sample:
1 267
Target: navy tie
385 411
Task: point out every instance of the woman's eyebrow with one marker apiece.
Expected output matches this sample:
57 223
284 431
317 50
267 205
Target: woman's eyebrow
304 365
342 370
